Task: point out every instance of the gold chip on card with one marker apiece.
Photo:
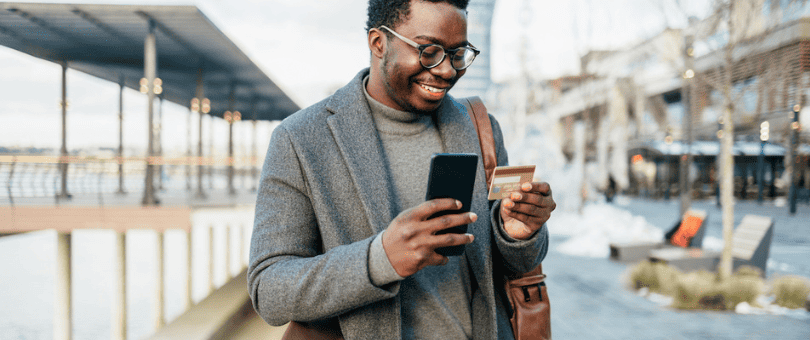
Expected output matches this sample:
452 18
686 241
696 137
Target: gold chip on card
507 179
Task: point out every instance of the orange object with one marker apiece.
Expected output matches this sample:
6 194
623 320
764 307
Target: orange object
689 227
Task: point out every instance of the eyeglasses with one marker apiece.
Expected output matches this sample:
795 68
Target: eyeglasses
431 55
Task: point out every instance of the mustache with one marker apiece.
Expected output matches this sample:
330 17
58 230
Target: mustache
436 81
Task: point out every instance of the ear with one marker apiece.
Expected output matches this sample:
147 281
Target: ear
377 42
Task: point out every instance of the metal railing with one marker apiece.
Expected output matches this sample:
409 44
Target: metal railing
25 179
34 176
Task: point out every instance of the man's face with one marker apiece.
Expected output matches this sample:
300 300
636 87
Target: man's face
408 85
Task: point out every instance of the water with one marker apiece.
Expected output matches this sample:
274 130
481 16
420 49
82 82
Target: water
28 269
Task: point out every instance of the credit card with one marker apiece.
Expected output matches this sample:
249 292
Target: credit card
507 179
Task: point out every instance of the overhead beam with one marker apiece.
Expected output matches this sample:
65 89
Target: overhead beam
30 48
201 60
41 23
104 27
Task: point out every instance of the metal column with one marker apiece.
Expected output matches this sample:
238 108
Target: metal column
160 291
119 307
211 152
253 158
230 118
760 171
203 107
63 318
150 73
63 165
188 150
121 190
190 272
159 141
794 159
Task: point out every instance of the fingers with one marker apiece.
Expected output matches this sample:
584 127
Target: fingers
534 222
532 194
544 208
449 240
532 205
429 208
443 222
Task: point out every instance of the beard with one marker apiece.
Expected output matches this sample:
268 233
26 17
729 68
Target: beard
390 72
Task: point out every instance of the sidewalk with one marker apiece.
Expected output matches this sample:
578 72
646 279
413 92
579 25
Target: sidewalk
590 300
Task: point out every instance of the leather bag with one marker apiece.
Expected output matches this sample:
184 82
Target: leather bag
527 293
304 331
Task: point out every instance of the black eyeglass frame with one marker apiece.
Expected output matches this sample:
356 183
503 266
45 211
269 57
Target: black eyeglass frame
422 47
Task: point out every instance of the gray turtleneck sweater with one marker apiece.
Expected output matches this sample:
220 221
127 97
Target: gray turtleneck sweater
436 300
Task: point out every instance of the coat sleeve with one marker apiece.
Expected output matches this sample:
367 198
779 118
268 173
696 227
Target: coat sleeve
519 256
290 277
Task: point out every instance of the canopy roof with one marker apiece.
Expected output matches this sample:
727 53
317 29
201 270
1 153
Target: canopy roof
712 148
107 41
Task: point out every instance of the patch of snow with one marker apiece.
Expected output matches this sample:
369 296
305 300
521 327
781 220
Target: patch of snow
770 308
745 308
713 243
599 225
661 300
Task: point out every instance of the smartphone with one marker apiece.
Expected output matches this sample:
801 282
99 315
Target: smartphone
452 175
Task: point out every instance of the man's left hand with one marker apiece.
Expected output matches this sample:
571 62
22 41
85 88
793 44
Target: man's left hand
525 211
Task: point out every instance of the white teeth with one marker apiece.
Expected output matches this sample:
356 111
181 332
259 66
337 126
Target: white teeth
432 89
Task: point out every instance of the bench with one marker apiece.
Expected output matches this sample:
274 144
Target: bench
688 230
751 245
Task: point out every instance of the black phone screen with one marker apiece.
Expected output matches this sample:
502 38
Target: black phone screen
452 175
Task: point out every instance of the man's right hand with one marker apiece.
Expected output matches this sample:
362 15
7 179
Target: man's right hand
410 240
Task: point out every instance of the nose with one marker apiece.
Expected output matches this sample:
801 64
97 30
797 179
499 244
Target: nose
444 70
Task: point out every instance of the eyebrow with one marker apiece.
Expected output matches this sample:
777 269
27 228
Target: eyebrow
439 42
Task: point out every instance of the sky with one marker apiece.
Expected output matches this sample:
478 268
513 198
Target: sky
555 33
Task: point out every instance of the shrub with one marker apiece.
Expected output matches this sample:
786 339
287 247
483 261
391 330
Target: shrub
700 289
748 271
741 288
657 277
697 290
790 291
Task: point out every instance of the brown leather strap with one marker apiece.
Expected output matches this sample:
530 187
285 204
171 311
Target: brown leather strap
305 331
533 277
480 117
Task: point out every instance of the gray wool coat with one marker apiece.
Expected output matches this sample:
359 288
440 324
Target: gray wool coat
325 193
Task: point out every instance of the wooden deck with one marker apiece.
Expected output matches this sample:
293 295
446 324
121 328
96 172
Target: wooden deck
226 313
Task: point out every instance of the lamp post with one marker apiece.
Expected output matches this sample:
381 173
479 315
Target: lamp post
686 158
763 137
668 141
719 161
794 140
231 118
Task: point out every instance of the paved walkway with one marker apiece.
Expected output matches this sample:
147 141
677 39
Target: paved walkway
589 298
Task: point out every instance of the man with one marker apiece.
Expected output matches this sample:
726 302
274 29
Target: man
342 239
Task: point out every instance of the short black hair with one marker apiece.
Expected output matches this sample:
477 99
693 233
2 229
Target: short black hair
391 12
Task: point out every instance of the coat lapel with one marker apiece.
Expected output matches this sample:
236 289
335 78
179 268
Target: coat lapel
458 135
359 143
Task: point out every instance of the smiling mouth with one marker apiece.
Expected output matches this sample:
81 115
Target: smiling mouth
434 91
